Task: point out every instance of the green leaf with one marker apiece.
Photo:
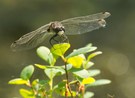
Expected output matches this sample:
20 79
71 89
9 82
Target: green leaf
83 50
27 72
35 82
88 80
60 49
93 55
52 72
94 72
27 94
90 45
45 54
60 89
81 73
100 82
39 84
60 86
69 66
43 82
87 65
40 66
88 94
18 81
76 61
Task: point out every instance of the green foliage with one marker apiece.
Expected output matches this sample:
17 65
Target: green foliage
88 95
27 72
76 63
45 54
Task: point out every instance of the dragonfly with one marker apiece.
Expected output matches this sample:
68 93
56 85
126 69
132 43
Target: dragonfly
71 26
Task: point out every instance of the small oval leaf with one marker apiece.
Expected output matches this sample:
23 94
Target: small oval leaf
81 73
40 66
18 81
88 80
27 72
45 54
100 82
76 61
27 94
60 49
94 72
93 55
83 50
88 64
88 95
52 72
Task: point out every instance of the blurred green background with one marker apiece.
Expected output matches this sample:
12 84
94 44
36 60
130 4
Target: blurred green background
116 41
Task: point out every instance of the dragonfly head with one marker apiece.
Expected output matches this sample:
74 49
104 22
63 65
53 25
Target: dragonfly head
56 27
102 22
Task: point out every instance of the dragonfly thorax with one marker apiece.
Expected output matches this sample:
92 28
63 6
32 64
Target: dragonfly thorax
56 27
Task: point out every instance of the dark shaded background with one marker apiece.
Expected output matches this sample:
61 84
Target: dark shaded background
18 17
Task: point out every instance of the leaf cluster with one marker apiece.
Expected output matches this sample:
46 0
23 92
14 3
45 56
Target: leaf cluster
75 64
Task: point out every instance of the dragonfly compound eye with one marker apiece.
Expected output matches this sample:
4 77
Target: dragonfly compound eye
58 29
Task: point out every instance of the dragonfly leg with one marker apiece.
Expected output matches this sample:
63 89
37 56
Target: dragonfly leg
63 38
53 38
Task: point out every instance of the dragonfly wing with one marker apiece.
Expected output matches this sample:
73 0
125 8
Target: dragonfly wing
83 27
84 24
97 16
32 39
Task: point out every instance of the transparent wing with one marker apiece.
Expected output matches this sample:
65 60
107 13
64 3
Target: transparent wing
84 24
77 25
32 39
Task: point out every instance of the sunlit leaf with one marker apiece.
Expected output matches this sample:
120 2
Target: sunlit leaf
83 56
45 54
76 61
69 66
100 82
88 80
27 94
60 49
51 72
93 55
87 65
88 95
90 45
83 50
40 66
34 82
27 72
18 81
94 72
81 73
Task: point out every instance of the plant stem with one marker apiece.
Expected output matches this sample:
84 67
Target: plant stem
51 87
68 85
